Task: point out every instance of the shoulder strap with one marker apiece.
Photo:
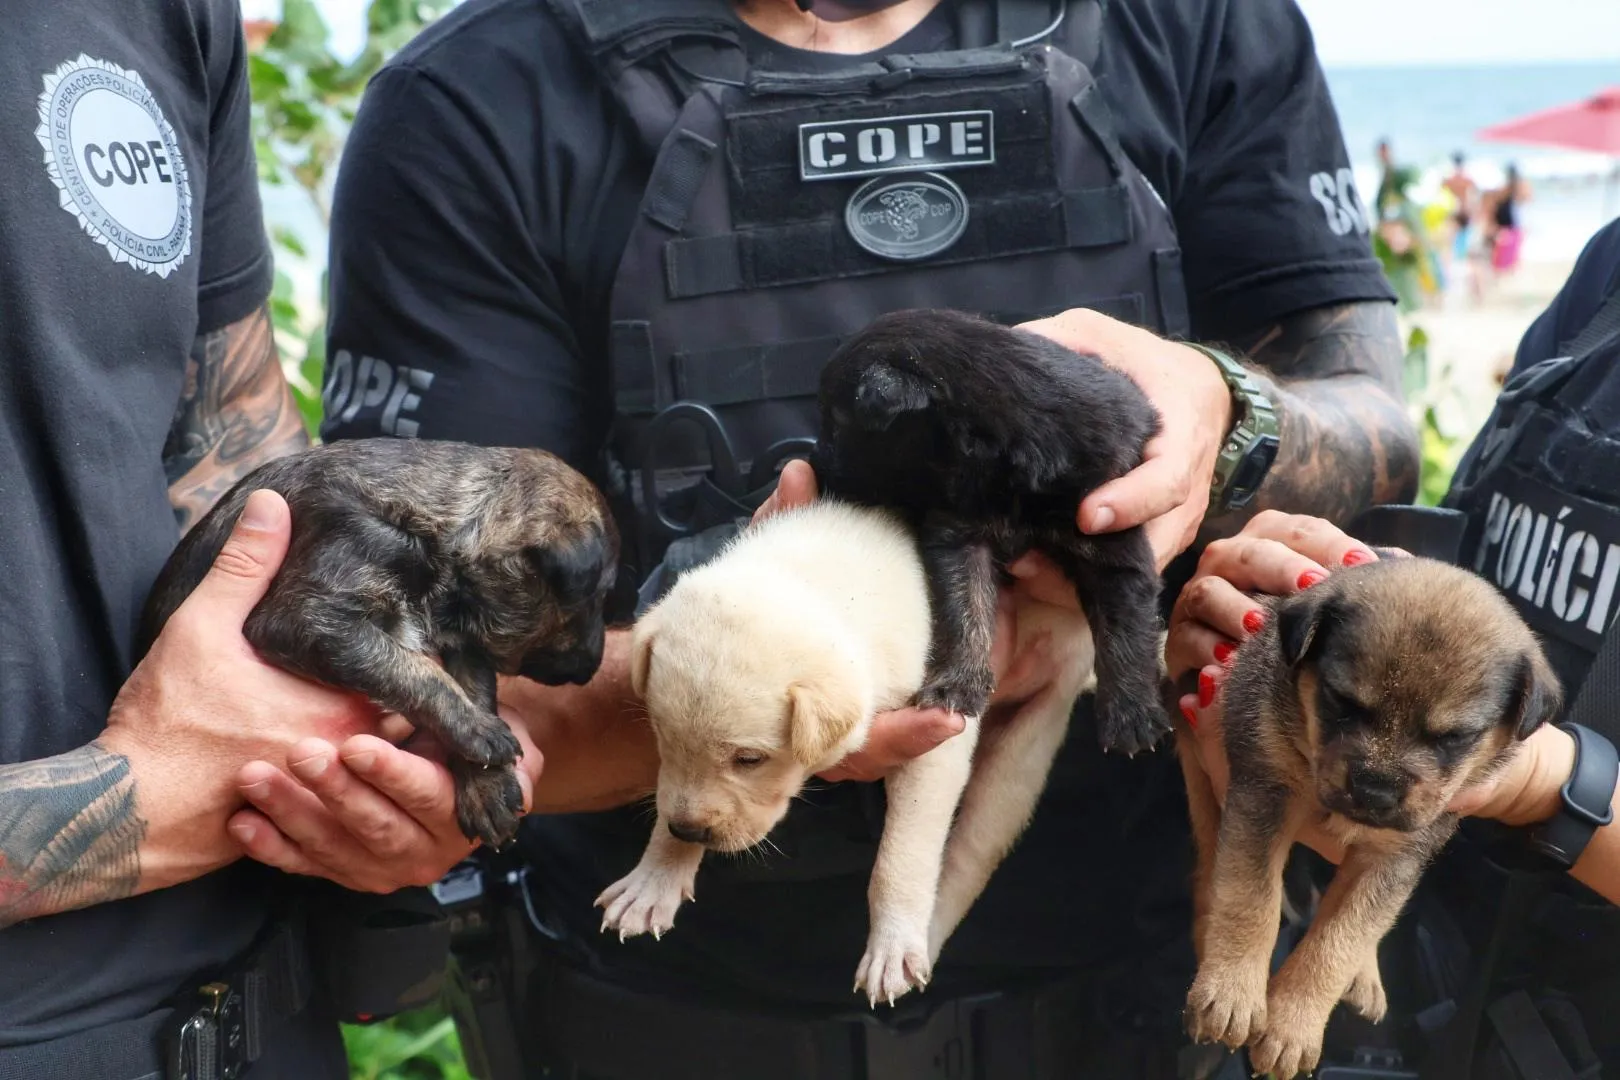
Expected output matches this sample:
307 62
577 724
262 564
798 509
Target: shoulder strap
1604 325
636 27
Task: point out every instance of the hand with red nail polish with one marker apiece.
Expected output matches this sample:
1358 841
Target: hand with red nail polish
1276 554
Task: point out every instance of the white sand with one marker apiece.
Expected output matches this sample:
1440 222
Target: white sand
1472 341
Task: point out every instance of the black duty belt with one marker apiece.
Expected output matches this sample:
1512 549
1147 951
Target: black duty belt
216 1029
1052 1029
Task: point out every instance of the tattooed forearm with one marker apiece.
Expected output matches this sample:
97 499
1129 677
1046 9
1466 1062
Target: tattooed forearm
236 412
70 833
1347 440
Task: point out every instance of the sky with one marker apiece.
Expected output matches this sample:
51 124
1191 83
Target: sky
1348 32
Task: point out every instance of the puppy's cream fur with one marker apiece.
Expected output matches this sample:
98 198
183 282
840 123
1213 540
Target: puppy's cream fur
767 665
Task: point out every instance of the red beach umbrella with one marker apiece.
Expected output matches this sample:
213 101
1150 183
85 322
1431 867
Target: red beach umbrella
1592 124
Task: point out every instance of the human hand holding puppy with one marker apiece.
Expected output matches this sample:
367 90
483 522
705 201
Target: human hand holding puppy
1279 554
903 734
1168 493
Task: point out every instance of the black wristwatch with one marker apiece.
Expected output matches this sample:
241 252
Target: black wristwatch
1588 799
1251 445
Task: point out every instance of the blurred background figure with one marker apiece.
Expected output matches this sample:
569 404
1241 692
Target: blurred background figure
1503 232
1461 187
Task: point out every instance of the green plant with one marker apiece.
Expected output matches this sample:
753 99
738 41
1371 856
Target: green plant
1440 446
304 101
418 1045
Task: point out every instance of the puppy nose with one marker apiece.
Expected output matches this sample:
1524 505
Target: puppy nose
1374 790
692 834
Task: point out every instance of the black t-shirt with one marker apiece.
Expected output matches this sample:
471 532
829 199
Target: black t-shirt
129 222
486 195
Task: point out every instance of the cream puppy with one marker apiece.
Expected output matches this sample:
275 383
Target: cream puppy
767 665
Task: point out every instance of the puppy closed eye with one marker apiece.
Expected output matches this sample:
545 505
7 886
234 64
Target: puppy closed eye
1452 743
1339 711
749 759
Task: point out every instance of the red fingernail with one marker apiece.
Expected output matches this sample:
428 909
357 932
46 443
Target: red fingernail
1357 557
1311 577
1206 689
1253 621
1192 717
1224 651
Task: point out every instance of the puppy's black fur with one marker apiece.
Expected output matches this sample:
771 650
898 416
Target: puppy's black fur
494 560
988 438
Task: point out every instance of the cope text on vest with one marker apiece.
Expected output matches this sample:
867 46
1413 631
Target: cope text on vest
837 148
1554 559
369 383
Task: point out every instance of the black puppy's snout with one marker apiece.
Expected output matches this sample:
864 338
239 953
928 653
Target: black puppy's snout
1374 790
686 830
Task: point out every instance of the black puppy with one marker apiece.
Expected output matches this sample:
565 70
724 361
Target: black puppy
493 560
987 438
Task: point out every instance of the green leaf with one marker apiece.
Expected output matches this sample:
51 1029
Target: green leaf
288 239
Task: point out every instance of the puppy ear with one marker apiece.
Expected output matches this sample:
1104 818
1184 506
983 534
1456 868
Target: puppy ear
886 392
822 713
1304 621
641 648
572 571
1536 695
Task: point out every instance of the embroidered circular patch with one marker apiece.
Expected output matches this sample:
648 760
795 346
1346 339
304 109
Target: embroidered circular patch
117 162
907 218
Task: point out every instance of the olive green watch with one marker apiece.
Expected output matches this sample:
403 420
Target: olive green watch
1251 445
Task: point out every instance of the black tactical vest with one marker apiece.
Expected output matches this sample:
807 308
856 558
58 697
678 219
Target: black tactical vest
1541 488
784 211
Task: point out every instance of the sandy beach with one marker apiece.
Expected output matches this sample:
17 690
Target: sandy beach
1471 342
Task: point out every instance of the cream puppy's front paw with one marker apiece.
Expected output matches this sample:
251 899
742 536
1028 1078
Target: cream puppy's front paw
645 900
895 963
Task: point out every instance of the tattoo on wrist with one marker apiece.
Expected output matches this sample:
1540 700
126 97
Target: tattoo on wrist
236 412
1347 441
70 833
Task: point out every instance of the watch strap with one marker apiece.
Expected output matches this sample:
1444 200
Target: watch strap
1251 443
1587 798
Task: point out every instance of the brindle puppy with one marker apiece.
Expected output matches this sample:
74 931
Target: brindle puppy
403 550
1365 705
988 438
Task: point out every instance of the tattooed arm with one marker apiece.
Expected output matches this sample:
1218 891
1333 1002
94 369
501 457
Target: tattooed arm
236 412
69 833
1347 441
144 806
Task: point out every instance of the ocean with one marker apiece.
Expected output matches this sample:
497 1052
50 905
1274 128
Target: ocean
1427 113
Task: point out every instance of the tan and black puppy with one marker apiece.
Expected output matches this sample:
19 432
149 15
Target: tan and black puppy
1364 706
406 551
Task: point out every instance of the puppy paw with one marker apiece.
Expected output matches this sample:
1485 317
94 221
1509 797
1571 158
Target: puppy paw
1130 724
1227 1005
895 963
489 742
1366 993
1291 1043
964 692
644 901
489 803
